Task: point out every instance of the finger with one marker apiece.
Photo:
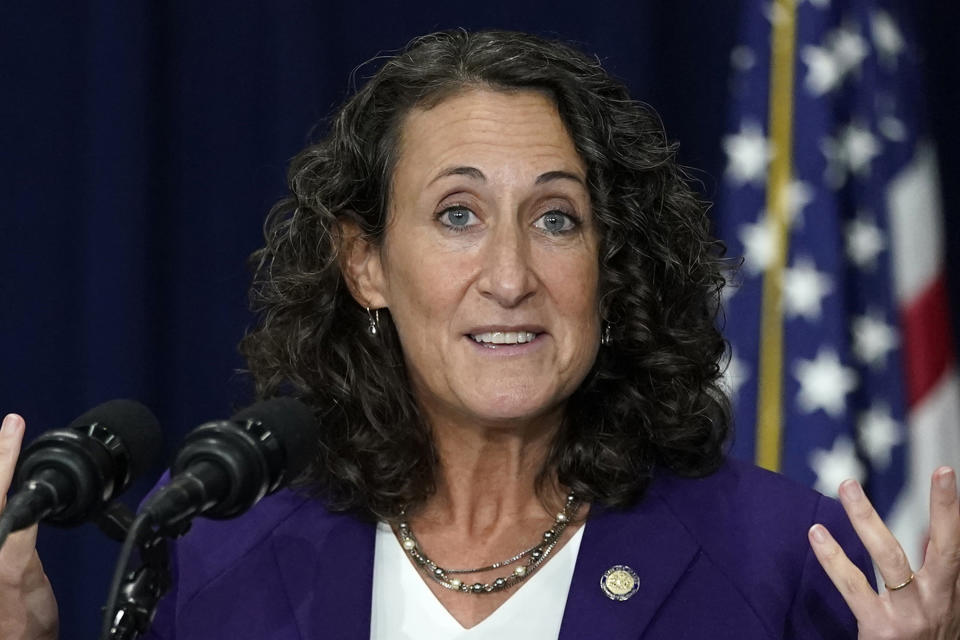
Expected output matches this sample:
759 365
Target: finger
942 561
846 577
18 557
11 437
884 549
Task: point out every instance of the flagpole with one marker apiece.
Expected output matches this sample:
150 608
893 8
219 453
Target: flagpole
770 379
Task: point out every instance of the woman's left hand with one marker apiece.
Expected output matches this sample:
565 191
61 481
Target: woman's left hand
921 604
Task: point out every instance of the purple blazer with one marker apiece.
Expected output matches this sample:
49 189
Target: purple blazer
724 556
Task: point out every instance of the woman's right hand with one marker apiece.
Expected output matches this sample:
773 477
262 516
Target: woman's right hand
28 609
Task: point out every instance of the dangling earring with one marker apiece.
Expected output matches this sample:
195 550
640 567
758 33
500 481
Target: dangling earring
605 338
374 326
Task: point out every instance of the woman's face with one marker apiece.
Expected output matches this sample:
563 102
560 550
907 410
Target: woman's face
490 262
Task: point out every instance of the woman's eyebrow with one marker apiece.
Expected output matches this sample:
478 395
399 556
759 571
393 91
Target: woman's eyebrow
476 174
559 175
470 172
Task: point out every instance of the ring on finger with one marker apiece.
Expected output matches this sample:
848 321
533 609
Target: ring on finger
899 586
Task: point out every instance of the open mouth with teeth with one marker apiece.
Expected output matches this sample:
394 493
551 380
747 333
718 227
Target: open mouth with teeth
493 338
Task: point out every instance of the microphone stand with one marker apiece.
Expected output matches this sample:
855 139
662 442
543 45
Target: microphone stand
114 520
141 588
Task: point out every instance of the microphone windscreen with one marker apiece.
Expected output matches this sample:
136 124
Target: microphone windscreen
293 423
133 424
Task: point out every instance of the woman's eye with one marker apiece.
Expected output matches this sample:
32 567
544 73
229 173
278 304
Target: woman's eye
457 218
556 222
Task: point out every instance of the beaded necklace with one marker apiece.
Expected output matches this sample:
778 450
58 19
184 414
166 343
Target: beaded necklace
536 555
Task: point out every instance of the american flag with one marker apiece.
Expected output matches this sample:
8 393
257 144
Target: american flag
841 360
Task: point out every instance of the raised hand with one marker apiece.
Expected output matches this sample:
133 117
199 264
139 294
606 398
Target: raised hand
915 604
28 609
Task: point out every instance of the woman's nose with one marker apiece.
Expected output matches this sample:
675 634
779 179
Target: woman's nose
507 276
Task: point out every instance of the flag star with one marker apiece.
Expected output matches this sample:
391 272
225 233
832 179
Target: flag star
836 465
734 375
799 195
823 72
775 12
849 48
742 58
864 242
824 383
795 199
887 38
759 246
878 433
860 147
804 289
851 151
748 153
843 50
892 128
873 339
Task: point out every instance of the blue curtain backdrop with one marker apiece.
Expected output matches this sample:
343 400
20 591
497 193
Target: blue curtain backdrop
142 143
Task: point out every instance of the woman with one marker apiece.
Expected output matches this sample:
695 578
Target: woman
496 287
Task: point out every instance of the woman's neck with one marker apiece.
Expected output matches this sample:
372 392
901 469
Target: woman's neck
486 507
488 475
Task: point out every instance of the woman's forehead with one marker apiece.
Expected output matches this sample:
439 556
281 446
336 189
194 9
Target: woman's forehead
500 130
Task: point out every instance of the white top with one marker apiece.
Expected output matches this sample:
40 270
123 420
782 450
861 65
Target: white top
404 608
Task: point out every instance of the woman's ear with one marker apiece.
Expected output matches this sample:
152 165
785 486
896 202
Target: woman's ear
361 267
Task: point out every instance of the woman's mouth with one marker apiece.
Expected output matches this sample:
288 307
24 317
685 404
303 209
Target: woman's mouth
503 337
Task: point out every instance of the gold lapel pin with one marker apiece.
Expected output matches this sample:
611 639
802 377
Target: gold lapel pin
619 582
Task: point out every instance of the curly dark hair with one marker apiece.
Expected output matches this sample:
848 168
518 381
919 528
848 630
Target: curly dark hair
652 399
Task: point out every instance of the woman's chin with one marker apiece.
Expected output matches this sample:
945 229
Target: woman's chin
511 407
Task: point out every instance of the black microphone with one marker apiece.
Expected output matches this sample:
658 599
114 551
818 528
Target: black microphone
67 476
227 466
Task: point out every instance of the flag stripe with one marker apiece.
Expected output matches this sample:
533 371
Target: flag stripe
929 349
770 391
916 219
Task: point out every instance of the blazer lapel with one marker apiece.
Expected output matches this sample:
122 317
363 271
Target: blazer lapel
651 541
326 566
